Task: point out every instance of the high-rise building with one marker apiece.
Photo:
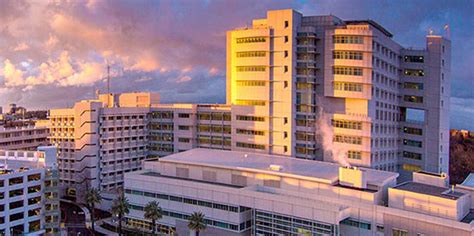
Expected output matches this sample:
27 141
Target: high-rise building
342 91
243 193
29 192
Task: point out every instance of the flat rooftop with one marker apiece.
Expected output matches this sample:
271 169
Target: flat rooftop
429 190
320 171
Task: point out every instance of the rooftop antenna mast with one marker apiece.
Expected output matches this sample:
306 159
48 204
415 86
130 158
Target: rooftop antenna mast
108 77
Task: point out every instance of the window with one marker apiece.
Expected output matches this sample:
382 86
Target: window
410 130
34 177
184 115
250 145
346 124
286 39
285 68
337 70
251 68
412 155
356 223
414 99
251 40
250 103
413 143
399 232
350 39
16 193
183 127
17 180
286 24
250 83
184 140
16 216
271 183
252 54
354 155
415 73
414 59
352 87
286 53
410 85
17 204
348 55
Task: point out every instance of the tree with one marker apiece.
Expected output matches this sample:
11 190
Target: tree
197 223
92 198
153 212
120 208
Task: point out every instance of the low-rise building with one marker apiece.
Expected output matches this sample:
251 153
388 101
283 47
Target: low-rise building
29 203
259 194
24 138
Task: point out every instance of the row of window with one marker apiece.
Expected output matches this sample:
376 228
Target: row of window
188 201
251 68
250 118
251 40
348 139
410 85
252 54
250 83
162 115
347 124
250 145
339 70
415 59
411 130
412 155
356 223
414 99
19 180
413 72
413 143
349 39
250 102
348 55
354 155
214 116
344 86
305 136
226 129
250 132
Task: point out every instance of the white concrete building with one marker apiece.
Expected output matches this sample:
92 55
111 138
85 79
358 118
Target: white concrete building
29 202
244 193
23 138
100 140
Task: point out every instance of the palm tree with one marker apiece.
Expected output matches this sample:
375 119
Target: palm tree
196 222
153 212
92 198
120 207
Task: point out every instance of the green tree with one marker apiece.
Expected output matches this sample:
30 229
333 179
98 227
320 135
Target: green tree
197 223
153 212
120 208
93 198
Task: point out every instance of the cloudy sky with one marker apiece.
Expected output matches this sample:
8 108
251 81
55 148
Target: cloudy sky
53 53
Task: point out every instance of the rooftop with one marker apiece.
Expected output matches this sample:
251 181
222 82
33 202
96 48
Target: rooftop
372 23
316 170
429 190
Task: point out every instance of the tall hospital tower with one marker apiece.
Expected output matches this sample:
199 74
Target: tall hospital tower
311 87
335 90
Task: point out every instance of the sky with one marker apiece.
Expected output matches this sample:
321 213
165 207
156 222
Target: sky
53 53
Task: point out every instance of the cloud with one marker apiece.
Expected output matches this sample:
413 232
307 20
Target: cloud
21 47
184 79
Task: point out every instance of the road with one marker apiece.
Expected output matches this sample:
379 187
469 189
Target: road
74 219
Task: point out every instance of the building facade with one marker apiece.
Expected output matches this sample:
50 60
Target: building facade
244 193
341 91
23 138
100 140
29 192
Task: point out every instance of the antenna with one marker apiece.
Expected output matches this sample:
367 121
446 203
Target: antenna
108 77
448 31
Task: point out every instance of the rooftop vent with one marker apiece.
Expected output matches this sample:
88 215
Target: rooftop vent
352 177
